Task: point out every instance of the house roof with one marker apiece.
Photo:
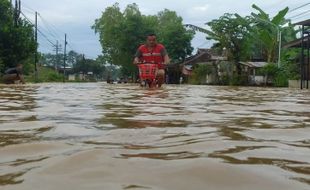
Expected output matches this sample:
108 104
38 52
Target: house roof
304 23
254 64
203 55
296 43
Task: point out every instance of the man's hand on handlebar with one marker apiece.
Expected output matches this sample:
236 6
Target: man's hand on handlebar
136 61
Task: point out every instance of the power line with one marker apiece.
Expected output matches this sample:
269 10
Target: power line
27 7
52 43
50 27
301 16
53 32
299 7
31 22
38 30
29 12
47 32
305 12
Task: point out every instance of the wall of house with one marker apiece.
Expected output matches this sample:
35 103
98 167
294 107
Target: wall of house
257 80
296 83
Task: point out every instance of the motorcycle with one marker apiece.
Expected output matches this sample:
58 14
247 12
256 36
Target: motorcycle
147 74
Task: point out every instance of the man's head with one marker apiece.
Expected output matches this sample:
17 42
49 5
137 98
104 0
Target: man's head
151 40
19 66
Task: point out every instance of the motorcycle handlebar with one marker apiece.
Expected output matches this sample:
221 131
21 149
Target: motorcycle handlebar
139 63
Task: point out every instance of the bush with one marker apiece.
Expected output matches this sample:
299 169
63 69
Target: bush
280 76
199 74
281 79
270 70
45 75
54 77
238 80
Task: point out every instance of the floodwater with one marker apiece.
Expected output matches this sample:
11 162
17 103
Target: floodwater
121 137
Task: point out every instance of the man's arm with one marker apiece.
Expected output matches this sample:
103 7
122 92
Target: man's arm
137 57
21 77
165 56
166 59
136 60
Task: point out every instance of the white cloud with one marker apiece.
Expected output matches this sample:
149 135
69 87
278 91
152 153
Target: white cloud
203 8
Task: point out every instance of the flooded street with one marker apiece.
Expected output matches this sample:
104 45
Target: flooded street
115 137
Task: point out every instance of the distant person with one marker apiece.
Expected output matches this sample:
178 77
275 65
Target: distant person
153 52
14 75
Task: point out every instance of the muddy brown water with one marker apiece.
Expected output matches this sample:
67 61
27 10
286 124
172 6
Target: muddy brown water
120 137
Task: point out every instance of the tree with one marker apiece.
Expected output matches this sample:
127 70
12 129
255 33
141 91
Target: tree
89 65
17 43
233 33
121 33
73 57
266 30
109 27
173 34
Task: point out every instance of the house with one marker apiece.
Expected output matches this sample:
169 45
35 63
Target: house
203 57
304 63
251 68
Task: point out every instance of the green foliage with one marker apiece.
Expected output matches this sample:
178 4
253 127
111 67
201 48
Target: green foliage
77 62
289 64
72 58
270 69
266 30
238 80
199 74
250 36
289 70
2 66
231 32
89 65
280 80
121 33
45 74
279 76
28 67
174 35
16 42
254 37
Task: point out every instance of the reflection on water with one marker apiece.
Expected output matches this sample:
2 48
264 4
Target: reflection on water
10 179
98 136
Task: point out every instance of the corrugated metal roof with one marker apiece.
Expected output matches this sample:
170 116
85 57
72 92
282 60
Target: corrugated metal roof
296 43
254 64
304 23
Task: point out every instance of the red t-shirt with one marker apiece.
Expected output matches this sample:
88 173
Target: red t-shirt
155 55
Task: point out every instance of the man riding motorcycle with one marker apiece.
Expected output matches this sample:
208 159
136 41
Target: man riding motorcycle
153 52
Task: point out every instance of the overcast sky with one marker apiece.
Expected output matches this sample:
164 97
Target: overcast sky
75 17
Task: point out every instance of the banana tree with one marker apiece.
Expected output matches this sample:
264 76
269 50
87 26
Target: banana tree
232 32
268 31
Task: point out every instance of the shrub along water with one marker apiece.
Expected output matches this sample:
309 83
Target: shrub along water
45 74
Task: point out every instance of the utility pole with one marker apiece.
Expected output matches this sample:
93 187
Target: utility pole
36 51
302 64
57 50
11 7
65 57
16 12
280 46
83 67
55 66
